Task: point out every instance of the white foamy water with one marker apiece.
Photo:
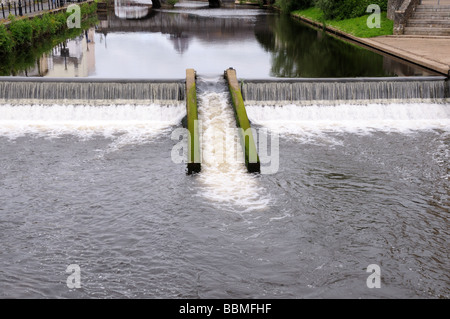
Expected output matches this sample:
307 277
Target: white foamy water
360 119
125 123
224 175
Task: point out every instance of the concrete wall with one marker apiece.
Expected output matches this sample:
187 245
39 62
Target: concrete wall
193 160
392 6
402 15
447 92
246 136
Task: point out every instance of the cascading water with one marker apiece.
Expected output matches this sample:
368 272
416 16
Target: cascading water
305 108
88 90
129 111
315 91
224 176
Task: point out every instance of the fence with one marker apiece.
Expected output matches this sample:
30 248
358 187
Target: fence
25 7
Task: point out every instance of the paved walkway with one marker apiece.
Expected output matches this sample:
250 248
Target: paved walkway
431 52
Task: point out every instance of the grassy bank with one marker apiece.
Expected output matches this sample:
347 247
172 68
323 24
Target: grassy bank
355 26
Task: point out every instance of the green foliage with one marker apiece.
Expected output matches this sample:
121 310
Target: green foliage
172 2
6 44
291 5
345 9
358 26
88 9
60 20
51 25
355 26
38 27
21 31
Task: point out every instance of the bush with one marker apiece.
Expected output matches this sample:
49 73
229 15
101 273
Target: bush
21 31
38 27
61 20
88 9
50 23
346 9
6 43
291 5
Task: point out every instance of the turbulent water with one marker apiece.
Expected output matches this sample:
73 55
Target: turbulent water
303 121
96 186
86 121
225 176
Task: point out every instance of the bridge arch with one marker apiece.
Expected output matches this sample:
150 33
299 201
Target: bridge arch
212 3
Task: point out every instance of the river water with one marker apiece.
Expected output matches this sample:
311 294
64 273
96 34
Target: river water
161 44
97 186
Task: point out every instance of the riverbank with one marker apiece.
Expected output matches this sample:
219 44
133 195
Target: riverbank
427 51
355 26
45 7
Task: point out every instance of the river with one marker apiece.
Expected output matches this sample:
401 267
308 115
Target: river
349 185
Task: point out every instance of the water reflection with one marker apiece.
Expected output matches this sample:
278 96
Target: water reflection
132 9
134 41
166 42
300 51
72 58
258 43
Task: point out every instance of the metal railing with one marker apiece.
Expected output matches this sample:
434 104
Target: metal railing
25 7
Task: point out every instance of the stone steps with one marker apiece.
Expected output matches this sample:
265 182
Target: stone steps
430 8
431 15
427 31
435 2
429 23
429 19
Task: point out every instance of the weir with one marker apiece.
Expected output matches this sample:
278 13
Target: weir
20 90
248 142
311 91
193 157
51 90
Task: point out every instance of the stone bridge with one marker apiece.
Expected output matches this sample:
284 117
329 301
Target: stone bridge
212 3
180 25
